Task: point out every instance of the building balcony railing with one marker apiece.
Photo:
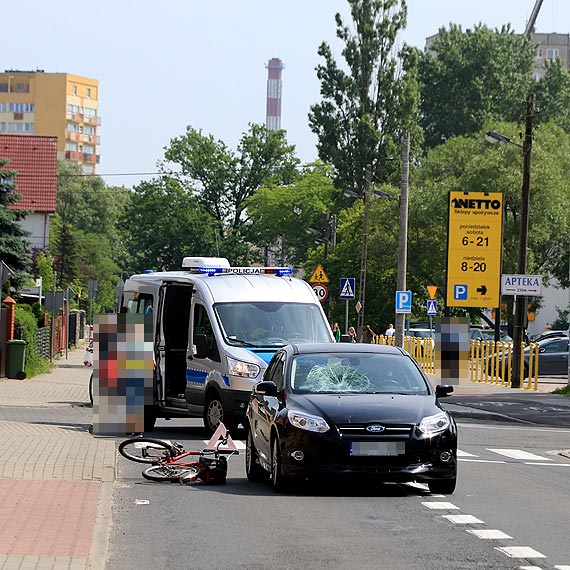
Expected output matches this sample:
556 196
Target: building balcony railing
92 121
73 155
85 157
71 136
91 158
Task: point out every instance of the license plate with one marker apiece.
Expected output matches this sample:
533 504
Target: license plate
382 448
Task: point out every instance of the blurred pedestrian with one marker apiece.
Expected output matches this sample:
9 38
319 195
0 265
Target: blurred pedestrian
368 335
336 332
352 334
390 330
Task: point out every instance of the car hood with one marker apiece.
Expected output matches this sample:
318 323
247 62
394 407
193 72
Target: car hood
365 408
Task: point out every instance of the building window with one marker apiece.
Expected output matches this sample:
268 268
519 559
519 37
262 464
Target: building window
21 127
2 127
89 112
551 53
88 149
88 92
3 88
2 107
22 107
539 54
72 127
74 109
21 88
89 131
71 147
74 89
87 169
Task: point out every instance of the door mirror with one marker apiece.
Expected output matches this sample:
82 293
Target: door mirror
345 338
443 390
265 388
202 349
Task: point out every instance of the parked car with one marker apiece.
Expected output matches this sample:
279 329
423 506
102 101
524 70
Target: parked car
487 334
552 358
349 409
550 334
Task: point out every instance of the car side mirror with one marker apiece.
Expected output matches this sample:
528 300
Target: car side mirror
265 388
345 338
201 346
443 390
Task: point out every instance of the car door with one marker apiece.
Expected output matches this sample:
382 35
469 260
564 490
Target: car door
266 407
553 358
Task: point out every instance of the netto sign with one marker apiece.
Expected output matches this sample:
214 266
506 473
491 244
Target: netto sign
474 247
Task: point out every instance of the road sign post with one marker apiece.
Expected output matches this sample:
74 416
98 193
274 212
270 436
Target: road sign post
347 291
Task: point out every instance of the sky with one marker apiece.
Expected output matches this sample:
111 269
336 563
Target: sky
162 66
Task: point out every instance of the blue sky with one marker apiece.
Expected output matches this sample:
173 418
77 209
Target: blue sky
164 65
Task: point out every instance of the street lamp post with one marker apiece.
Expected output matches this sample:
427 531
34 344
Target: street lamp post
520 300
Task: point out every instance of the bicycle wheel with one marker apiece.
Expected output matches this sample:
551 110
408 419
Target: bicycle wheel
169 472
145 450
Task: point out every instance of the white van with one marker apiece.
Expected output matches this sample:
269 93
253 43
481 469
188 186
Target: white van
215 329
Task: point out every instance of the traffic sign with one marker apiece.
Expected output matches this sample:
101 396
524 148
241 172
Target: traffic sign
347 286
474 248
403 301
321 291
526 285
432 307
432 289
319 275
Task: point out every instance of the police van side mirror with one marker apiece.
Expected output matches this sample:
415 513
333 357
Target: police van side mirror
345 338
201 346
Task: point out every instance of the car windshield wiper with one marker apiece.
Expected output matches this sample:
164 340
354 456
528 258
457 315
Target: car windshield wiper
240 341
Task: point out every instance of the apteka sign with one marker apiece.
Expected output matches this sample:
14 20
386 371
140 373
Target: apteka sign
526 285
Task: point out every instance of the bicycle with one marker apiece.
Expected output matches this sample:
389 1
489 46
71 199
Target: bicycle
166 458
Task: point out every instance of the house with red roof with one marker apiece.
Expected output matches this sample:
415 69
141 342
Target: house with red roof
34 158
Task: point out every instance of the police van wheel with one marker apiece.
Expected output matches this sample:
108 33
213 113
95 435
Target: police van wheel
213 413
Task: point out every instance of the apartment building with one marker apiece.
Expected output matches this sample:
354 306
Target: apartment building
53 104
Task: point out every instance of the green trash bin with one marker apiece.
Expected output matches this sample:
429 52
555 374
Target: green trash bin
16 354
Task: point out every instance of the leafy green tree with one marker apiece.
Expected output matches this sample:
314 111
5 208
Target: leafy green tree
368 102
470 77
13 244
553 95
162 223
64 243
280 215
222 179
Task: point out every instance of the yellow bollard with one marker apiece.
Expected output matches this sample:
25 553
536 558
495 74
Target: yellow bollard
521 365
504 349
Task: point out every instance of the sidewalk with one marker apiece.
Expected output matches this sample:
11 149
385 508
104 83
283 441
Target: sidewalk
55 477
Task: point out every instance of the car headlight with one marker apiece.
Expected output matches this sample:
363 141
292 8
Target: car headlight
307 421
242 369
432 425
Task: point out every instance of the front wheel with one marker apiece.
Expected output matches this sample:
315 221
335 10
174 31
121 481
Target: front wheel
170 472
214 414
145 450
280 482
442 486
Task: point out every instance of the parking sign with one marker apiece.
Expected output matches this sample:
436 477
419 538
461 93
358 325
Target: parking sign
403 301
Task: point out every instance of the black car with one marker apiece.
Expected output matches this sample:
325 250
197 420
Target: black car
349 409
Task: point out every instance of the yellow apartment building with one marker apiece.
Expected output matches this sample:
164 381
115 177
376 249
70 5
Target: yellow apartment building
53 104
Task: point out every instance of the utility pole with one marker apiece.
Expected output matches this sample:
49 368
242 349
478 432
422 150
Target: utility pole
520 300
403 237
364 255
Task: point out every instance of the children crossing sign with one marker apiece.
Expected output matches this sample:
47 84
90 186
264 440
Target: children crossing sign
319 275
347 288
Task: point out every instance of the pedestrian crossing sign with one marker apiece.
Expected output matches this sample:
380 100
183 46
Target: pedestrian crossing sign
319 275
347 288
432 307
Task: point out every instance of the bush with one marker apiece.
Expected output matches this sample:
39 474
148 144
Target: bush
25 326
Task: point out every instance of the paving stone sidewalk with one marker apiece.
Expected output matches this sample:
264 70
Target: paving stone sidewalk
55 477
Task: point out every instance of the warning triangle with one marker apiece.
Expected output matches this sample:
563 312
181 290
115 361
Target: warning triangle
319 275
221 433
347 290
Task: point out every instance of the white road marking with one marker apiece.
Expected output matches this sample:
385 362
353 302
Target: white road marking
481 461
517 428
550 465
490 534
463 519
562 567
530 568
420 486
520 552
461 453
519 454
440 505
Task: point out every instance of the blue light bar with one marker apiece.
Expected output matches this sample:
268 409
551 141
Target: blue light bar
148 271
210 270
284 271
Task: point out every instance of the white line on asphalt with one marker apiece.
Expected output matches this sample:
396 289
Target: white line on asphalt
463 519
461 453
530 568
482 461
490 534
550 465
513 428
519 552
440 505
519 454
562 567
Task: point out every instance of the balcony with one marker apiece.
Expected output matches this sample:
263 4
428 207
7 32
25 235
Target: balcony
73 155
71 136
92 121
90 158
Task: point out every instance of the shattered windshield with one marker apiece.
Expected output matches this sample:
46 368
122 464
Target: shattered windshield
271 324
356 373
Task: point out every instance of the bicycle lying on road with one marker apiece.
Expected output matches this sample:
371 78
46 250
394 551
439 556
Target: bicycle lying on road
167 458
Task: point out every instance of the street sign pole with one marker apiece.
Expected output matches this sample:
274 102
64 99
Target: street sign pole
346 319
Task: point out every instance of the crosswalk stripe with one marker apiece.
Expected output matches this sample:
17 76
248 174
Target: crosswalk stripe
519 454
461 453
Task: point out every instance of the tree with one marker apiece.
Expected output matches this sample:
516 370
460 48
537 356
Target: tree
553 95
365 109
222 179
468 78
13 245
162 223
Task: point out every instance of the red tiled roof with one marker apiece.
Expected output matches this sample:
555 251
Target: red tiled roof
34 158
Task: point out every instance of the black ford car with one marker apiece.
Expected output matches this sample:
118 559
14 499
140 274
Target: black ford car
342 409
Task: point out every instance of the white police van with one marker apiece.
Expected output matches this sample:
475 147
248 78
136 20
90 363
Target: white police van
215 329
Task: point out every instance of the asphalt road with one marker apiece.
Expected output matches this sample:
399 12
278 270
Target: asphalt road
243 525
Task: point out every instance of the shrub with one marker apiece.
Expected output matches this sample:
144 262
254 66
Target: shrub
25 326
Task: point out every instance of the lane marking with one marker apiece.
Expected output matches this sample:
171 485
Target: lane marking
562 567
461 453
463 519
490 534
530 568
482 461
519 454
440 505
501 428
550 465
519 552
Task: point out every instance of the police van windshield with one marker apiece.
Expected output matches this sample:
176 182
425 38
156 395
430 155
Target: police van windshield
271 324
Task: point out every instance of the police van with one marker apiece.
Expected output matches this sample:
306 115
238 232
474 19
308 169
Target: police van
215 329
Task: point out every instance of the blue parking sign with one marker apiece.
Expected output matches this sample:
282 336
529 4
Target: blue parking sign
403 301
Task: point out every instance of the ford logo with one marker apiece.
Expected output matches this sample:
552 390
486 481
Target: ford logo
375 428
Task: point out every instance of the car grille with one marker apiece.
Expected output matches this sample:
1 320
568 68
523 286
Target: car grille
391 431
